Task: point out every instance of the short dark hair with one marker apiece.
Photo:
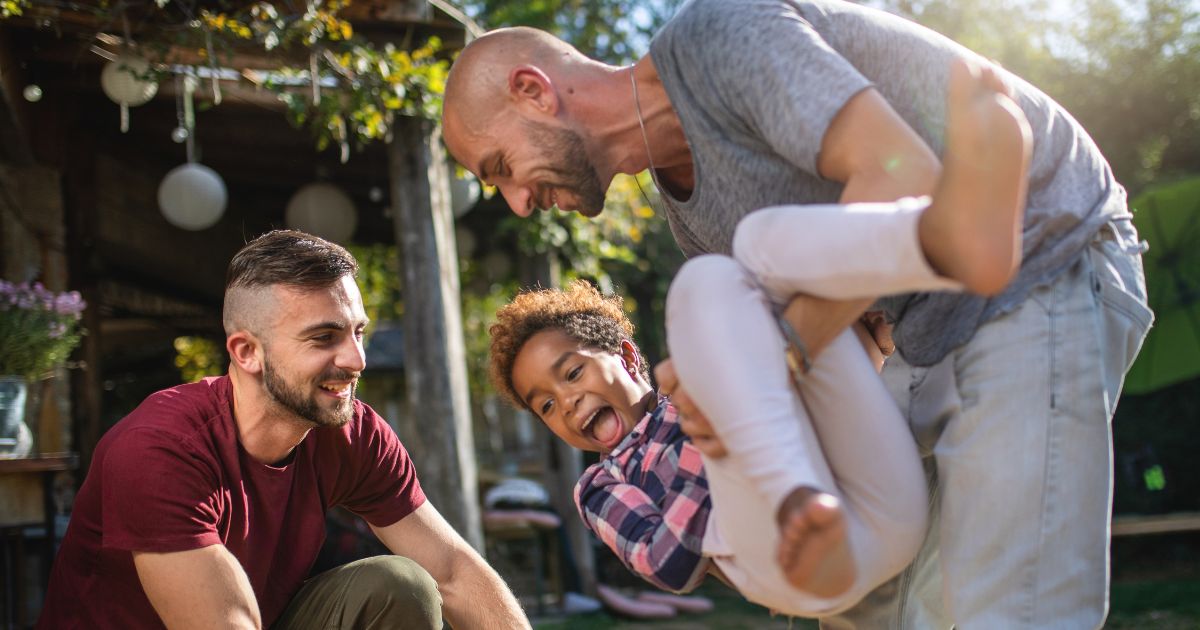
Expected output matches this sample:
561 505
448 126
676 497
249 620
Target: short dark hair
290 258
580 311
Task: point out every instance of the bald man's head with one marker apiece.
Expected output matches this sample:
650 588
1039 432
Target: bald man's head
478 80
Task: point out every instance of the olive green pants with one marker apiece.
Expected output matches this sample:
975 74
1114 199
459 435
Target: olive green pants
383 592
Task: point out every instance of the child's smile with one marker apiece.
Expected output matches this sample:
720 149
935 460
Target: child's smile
588 397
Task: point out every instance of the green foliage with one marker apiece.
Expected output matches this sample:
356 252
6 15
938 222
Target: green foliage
198 357
342 86
38 328
615 31
379 84
478 314
1128 70
379 281
11 8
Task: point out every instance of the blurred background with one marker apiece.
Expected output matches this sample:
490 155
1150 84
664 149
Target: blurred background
142 142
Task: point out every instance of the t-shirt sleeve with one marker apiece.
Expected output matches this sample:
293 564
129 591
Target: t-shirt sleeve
776 78
384 485
158 496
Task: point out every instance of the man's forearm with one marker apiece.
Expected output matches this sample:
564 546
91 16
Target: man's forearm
477 597
819 321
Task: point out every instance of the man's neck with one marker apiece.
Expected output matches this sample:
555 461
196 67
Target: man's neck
268 434
617 134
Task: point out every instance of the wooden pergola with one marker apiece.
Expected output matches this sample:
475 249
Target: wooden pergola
78 210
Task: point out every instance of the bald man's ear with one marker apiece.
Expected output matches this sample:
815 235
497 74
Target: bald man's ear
530 86
245 351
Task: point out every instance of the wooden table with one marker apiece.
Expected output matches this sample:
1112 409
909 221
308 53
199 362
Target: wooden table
45 466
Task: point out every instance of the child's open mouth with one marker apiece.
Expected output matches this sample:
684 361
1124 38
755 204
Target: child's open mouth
603 426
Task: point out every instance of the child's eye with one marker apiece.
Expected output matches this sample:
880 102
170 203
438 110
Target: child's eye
574 373
546 406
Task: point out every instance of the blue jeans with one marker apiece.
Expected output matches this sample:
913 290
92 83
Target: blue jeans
1015 428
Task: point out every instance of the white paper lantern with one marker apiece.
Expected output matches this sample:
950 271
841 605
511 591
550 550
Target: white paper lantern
122 83
464 192
324 210
192 196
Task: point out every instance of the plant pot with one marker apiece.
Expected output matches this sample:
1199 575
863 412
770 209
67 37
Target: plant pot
15 437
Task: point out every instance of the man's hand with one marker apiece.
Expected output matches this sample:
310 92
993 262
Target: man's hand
691 419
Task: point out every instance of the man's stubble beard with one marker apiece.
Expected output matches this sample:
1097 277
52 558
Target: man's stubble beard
293 400
575 171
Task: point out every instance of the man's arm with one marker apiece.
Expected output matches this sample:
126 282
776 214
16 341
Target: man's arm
198 588
473 594
878 157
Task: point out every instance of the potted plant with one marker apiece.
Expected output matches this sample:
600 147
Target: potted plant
38 330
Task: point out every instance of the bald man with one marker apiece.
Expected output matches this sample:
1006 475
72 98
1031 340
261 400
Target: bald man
205 507
1009 386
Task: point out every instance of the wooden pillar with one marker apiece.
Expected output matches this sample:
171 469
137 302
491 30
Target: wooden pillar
439 418
564 463
81 216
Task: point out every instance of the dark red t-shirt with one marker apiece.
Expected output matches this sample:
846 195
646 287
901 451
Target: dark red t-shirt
172 476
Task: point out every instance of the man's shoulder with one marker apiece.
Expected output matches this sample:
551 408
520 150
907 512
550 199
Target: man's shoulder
173 417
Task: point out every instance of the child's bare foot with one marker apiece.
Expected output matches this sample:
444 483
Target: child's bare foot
813 550
972 230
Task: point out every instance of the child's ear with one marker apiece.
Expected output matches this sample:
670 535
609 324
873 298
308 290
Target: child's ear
630 357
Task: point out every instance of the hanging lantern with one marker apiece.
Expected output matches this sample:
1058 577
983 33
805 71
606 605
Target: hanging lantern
324 210
122 82
192 196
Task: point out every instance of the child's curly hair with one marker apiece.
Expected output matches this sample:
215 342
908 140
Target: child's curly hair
579 310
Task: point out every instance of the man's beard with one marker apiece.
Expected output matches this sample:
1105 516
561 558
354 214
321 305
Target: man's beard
294 400
574 172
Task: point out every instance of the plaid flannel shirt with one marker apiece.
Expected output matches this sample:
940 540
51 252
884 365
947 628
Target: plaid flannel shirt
648 501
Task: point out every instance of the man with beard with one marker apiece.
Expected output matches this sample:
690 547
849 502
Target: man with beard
205 506
1009 386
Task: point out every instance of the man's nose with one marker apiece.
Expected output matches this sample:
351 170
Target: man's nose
518 198
352 356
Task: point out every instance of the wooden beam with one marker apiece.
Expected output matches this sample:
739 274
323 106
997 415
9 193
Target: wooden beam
1156 524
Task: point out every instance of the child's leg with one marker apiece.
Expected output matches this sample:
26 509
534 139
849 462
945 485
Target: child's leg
857 422
836 251
968 234
728 353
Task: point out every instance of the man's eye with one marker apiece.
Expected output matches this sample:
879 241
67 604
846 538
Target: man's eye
326 338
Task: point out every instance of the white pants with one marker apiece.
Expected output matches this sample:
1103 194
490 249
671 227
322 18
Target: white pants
843 434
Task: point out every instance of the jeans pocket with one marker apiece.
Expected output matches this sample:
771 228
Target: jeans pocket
1125 317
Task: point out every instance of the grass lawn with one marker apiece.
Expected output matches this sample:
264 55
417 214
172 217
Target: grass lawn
1139 605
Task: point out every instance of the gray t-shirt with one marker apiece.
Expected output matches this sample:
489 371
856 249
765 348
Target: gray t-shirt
756 83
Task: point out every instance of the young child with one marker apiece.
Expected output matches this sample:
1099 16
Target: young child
834 463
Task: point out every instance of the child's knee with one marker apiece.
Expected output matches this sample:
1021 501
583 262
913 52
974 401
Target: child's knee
704 279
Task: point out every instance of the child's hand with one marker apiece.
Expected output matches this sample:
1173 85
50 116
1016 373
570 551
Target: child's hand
691 419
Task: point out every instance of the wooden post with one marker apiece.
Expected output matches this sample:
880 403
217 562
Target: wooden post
564 463
435 366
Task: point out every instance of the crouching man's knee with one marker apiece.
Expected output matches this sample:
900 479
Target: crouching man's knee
393 592
376 593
